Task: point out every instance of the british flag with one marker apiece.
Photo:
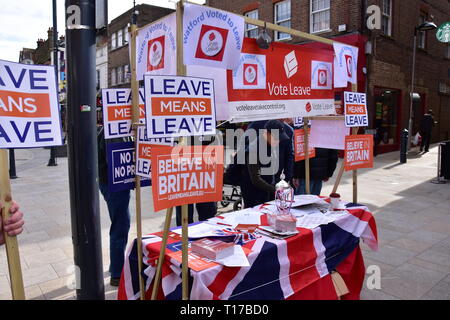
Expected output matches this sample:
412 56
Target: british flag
279 269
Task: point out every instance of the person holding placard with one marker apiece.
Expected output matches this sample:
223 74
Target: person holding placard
322 167
118 210
13 226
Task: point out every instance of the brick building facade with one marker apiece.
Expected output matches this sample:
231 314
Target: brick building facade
118 39
385 60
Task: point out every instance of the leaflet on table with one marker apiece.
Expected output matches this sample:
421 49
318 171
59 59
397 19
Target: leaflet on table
237 259
246 216
203 230
311 221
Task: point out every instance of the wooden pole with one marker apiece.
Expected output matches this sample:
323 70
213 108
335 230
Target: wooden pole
307 173
12 247
135 123
355 172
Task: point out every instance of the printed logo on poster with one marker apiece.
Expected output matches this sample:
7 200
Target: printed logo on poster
298 121
299 145
321 75
155 54
117 112
156 49
179 106
211 43
345 64
186 175
29 108
144 147
121 169
358 152
290 64
251 72
212 37
355 105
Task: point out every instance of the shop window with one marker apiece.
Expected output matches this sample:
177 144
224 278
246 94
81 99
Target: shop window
386 122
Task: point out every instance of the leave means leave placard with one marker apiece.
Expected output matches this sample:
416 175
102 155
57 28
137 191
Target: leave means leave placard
29 111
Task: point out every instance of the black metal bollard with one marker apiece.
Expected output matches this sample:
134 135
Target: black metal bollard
404 146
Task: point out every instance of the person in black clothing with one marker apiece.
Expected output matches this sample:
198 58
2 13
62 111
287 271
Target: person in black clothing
257 179
321 168
119 213
426 128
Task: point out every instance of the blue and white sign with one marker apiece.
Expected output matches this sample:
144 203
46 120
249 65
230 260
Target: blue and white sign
121 168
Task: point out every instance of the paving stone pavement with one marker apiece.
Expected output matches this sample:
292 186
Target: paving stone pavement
412 214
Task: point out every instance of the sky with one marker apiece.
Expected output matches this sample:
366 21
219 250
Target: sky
23 22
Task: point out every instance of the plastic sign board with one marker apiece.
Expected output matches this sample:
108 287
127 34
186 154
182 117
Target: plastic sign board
298 122
329 134
443 33
186 174
156 48
358 152
345 65
355 105
261 88
121 168
179 106
144 147
299 145
29 109
117 112
212 37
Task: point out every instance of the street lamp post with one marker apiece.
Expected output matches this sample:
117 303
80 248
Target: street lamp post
426 26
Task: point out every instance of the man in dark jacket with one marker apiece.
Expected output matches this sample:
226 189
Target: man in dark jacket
426 128
257 176
117 208
321 168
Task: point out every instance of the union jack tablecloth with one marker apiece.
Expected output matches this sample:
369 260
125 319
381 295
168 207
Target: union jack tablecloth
279 269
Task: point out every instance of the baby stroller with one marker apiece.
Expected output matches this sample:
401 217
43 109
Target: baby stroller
231 193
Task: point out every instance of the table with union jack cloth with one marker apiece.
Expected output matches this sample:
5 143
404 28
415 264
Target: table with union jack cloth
296 268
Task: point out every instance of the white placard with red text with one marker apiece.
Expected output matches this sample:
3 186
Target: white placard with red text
345 65
178 106
156 48
29 108
355 106
212 37
117 112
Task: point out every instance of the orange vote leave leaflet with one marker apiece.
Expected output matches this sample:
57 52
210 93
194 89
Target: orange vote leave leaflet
29 108
299 145
186 174
358 152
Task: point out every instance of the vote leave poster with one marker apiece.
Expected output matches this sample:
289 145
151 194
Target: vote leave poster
121 168
117 112
358 152
179 106
299 145
345 65
156 48
355 105
186 174
29 110
211 37
283 81
144 147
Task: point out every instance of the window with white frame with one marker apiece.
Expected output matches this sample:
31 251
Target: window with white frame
251 31
119 38
113 41
283 18
126 73
120 75
113 77
386 19
125 36
320 15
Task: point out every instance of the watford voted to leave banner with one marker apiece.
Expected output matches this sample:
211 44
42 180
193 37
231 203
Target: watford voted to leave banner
211 37
29 110
179 106
186 174
284 81
117 112
156 48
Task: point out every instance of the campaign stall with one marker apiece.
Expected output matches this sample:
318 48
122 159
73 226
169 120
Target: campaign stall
197 68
